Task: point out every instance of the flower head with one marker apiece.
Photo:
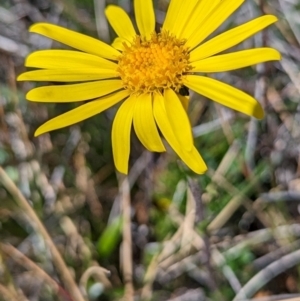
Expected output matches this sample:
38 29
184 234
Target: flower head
147 71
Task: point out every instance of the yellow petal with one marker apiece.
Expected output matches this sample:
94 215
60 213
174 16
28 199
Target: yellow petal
120 22
81 113
56 59
196 17
121 134
183 16
76 40
145 18
231 37
179 120
236 60
68 75
118 43
225 95
74 92
212 21
171 20
185 100
191 158
144 124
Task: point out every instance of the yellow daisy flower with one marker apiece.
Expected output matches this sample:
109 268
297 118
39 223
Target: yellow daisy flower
147 71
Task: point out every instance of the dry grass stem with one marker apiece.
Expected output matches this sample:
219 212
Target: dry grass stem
58 261
7 295
126 248
239 198
267 274
24 261
96 272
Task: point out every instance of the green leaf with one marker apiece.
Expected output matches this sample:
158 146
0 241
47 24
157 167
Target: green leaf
110 237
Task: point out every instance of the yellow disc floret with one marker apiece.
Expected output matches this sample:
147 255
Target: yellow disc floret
153 65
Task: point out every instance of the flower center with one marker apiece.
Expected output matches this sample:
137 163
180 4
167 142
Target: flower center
154 65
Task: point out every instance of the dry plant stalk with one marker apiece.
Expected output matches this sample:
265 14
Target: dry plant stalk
6 294
58 261
291 299
267 274
98 273
24 261
126 250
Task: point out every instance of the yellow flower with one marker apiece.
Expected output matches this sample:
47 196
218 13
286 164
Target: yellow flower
148 70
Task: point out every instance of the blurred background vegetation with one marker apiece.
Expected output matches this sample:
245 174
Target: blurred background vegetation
232 234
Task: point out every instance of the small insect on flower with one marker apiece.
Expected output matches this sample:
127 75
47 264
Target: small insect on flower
149 72
184 91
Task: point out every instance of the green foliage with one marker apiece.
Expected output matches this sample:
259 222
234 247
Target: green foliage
109 238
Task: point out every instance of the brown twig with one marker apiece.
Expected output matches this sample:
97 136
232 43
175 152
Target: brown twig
24 261
239 198
127 240
6 294
168 249
58 261
99 274
267 274
194 191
